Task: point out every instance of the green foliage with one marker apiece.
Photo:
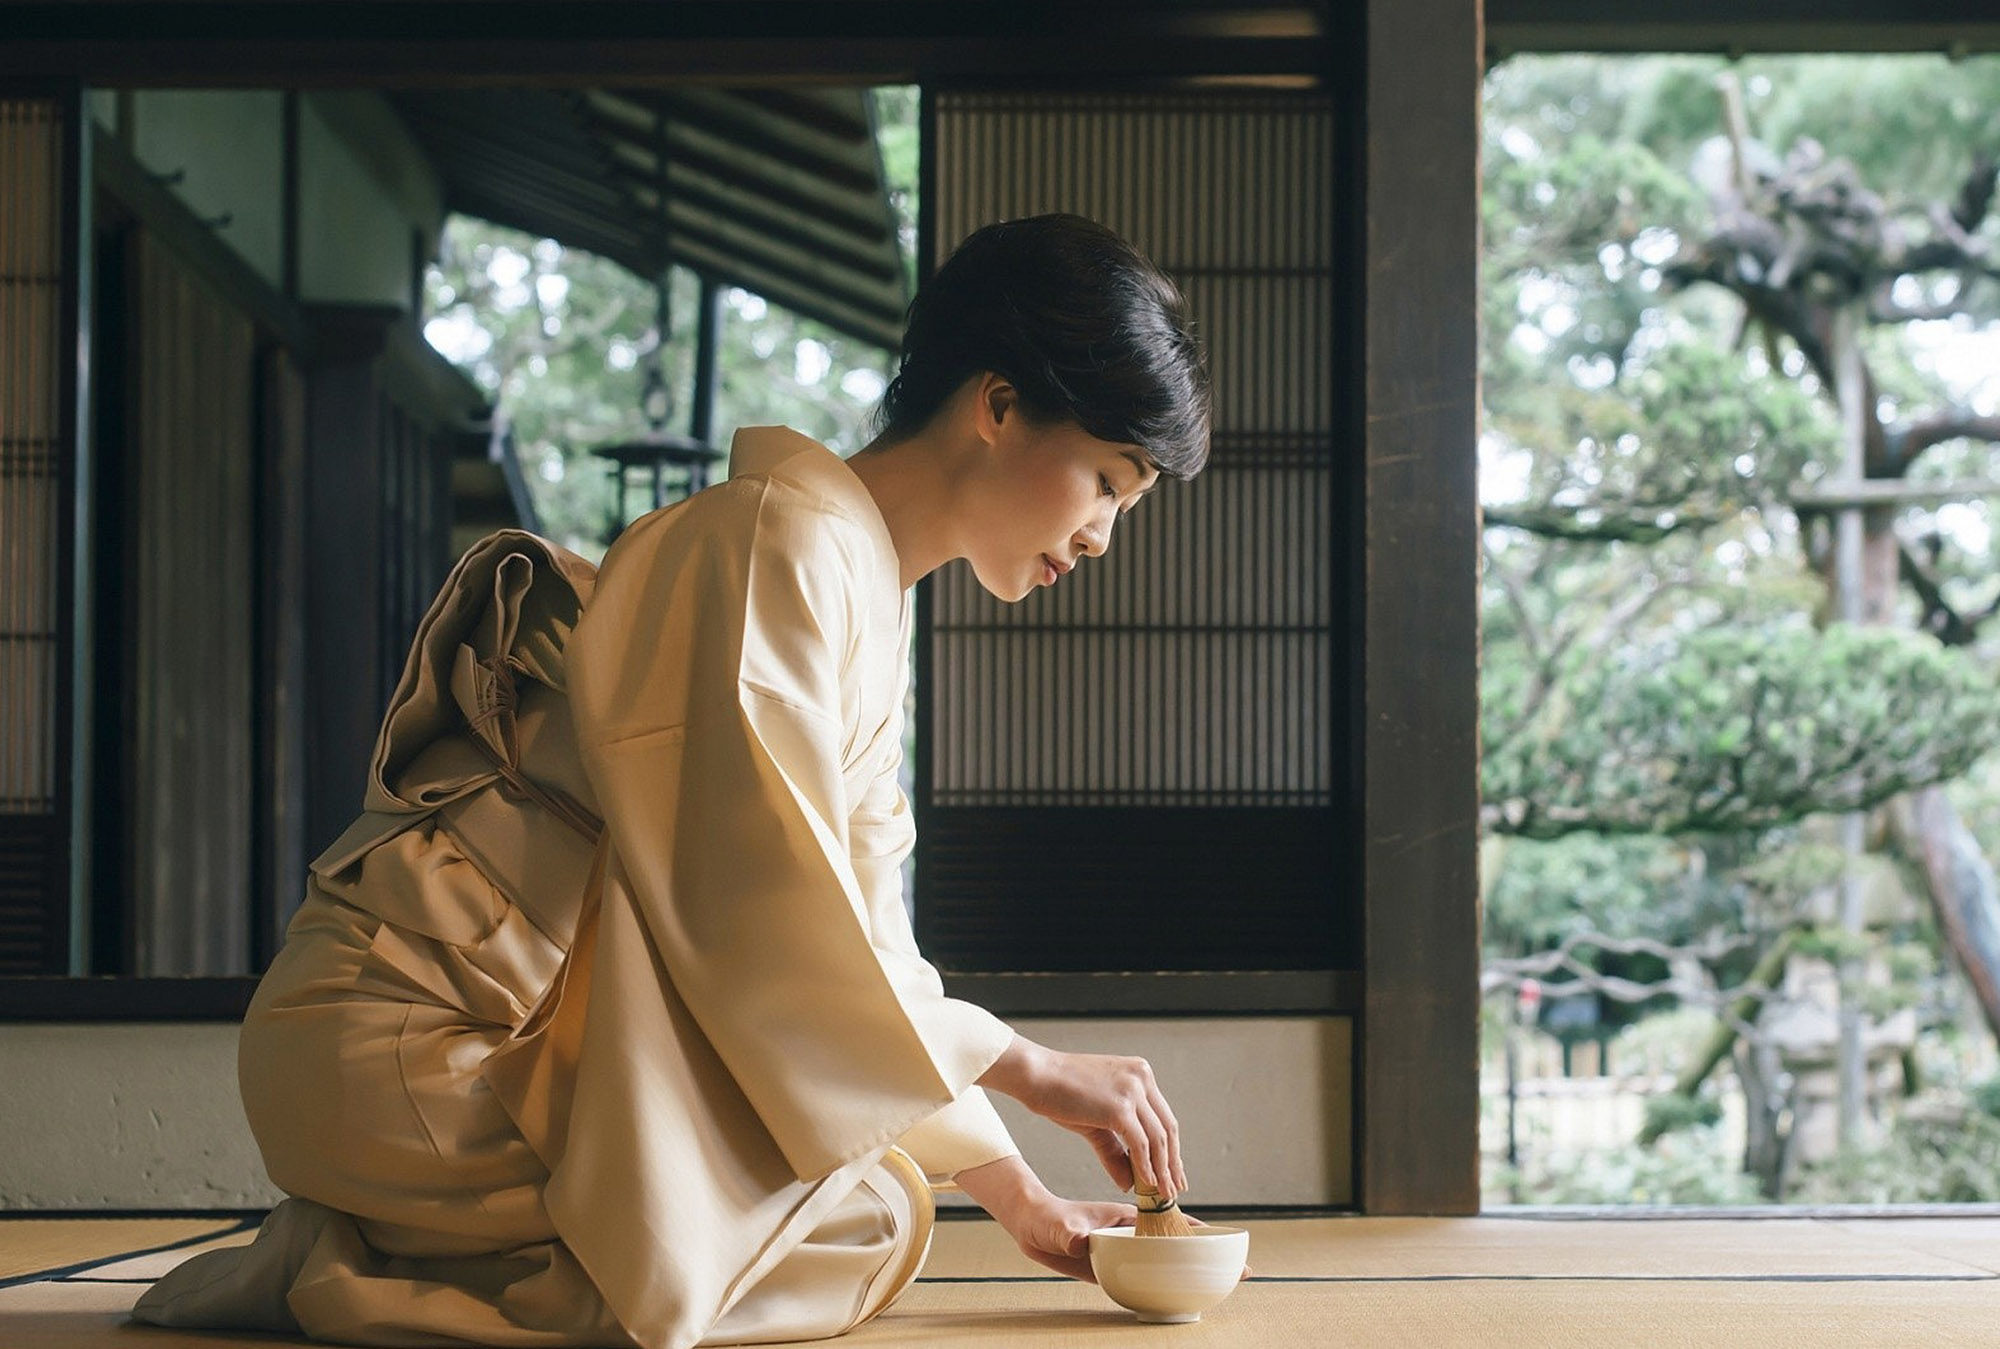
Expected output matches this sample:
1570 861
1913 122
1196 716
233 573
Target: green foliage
1673 1111
1664 1040
1798 869
1693 1166
563 338
1833 945
1909 123
1934 1158
1634 885
1590 168
896 135
1692 431
1986 1097
1734 730
1661 723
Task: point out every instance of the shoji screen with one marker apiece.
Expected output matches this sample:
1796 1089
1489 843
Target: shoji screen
34 514
1140 768
190 587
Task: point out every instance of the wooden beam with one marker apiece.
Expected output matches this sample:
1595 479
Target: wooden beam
1734 27
114 998
715 118
807 111
1417 429
1248 993
747 43
1888 492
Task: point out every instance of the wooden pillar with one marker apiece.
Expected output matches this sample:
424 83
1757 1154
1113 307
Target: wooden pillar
279 825
1417 425
346 548
708 335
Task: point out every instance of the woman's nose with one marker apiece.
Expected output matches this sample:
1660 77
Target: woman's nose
1095 537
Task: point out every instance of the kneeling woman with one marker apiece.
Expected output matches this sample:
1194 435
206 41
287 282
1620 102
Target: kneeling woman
604 1023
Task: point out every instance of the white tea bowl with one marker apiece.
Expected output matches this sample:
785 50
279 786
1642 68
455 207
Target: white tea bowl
1169 1279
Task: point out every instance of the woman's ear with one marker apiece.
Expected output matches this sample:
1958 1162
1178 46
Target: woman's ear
998 400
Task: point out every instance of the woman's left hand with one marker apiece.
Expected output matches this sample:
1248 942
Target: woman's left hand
1049 1229
1057 1232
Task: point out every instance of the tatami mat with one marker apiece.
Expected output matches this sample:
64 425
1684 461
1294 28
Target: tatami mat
32 1246
150 1265
1479 1283
1514 1248
1429 1315
1970 1243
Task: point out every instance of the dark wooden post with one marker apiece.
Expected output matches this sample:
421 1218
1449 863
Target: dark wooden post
279 828
708 334
1418 429
346 548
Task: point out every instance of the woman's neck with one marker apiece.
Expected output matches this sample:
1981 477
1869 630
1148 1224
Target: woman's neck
916 486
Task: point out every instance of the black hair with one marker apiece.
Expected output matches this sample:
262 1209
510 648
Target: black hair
1082 324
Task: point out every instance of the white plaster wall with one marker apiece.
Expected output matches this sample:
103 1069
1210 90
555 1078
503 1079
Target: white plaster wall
1264 1106
134 1116
366 191
124 1116
104 107
229 147
364 188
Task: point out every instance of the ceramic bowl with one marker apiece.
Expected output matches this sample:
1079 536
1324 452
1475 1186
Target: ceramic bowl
1170 1279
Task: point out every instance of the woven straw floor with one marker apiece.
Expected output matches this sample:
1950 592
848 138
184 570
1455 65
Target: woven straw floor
1816 1283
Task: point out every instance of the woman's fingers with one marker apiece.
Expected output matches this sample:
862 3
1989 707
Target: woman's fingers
1147 1137
1173 1130
1139 1144
1113 1156
1063 1244
1116 1102
1163 1133
1160 1156
1070 1266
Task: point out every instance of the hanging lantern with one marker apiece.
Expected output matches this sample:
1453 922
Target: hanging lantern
678 465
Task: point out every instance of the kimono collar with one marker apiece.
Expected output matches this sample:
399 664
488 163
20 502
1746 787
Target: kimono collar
792 456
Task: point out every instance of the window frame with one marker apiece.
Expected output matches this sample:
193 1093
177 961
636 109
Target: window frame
1417 763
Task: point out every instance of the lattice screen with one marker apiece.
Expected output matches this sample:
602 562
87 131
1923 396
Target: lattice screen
1190 665
1190 676
32 501
191 584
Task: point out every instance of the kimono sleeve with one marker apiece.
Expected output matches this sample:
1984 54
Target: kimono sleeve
969 1131
705 682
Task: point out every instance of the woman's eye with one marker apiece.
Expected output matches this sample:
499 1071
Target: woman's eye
1105 483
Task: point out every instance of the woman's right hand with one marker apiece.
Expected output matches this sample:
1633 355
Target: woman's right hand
1109 1099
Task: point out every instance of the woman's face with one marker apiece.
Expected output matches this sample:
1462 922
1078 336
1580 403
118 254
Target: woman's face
1053 498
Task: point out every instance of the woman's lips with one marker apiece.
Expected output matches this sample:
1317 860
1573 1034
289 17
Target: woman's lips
1049 572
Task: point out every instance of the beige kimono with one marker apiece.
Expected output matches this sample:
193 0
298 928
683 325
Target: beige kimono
537 1079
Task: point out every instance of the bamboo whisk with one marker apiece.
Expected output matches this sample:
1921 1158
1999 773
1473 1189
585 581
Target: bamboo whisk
1158 1217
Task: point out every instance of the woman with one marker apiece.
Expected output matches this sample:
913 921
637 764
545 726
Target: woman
604 1023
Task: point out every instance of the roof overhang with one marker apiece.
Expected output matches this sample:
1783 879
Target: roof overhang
779 191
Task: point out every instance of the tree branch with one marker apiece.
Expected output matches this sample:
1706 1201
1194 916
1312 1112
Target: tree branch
1882 306
1598 524
1940 619
1916 437
1508 973
1517 600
